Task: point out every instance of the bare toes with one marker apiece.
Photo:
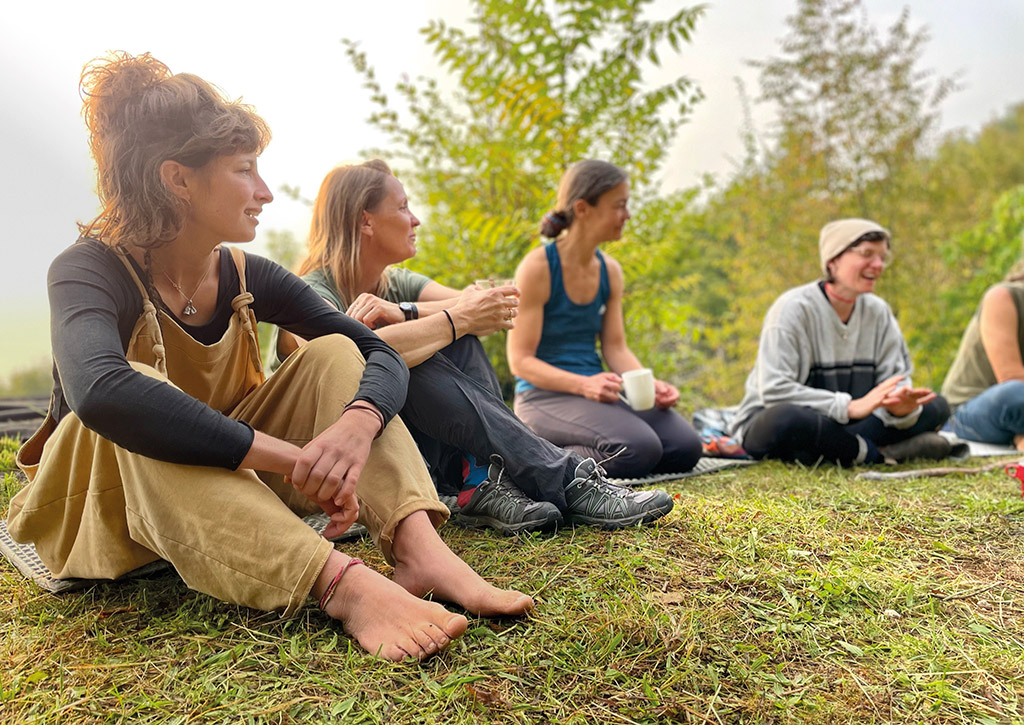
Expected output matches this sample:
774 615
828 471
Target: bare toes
456 626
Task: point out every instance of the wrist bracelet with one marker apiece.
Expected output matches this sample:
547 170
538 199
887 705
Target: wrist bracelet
329 591
448 315
359 405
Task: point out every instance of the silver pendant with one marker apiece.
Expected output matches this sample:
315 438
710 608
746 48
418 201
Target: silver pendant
189 310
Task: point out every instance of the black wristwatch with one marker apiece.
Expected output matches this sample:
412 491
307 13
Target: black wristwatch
409 310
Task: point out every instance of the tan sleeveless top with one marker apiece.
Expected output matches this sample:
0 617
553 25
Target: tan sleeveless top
220 375
971 373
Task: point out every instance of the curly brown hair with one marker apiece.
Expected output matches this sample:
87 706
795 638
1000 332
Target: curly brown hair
139 115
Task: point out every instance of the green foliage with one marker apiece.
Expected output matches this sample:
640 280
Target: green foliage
540 85
8 453
980 257
284 248
856 113
856 105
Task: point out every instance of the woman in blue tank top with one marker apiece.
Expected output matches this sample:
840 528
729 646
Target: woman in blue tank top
571 297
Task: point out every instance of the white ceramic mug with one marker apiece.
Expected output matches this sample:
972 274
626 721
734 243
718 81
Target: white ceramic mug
638 388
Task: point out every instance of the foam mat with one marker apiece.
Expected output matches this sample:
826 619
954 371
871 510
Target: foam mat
704 466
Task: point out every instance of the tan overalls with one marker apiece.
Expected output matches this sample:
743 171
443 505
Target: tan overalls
96 510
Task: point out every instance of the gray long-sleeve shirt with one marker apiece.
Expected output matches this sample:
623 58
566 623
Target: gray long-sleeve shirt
807 356
94 305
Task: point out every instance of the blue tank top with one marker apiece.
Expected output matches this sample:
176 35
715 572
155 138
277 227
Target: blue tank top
569 338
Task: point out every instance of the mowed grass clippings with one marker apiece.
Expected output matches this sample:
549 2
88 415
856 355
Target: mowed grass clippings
770 594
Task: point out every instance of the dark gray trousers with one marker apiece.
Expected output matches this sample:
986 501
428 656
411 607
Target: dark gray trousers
655 441
454 405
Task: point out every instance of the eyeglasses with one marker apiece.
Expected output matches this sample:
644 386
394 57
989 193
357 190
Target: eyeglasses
868 254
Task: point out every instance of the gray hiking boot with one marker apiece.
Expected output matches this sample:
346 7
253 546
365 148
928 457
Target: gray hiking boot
497 504
929 446
593 501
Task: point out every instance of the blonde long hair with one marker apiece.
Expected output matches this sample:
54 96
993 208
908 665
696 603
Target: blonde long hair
334 235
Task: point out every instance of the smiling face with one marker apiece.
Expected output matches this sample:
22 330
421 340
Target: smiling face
229 196
855 271
389 231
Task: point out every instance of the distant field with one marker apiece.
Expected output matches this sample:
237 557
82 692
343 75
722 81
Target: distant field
26 336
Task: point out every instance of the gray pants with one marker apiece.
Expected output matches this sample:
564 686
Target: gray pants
454 406
655 441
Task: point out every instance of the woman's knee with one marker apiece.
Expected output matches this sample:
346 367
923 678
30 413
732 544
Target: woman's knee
641 450
332 349
1010 394
682 452
774 426
936 412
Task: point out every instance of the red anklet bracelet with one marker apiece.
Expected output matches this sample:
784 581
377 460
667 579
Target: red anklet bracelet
329 591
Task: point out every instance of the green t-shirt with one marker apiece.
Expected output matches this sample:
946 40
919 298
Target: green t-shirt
404 285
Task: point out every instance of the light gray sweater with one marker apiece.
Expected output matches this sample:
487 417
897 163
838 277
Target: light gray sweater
808 357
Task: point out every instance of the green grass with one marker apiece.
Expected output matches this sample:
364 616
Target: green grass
770 594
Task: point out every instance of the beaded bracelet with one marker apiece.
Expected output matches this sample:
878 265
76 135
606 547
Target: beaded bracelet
446 314
358 405
329 591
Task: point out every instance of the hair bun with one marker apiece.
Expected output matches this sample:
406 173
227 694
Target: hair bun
109 82
553 224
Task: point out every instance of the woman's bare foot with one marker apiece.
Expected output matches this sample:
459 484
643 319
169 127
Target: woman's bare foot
425 565
1018 442
387 620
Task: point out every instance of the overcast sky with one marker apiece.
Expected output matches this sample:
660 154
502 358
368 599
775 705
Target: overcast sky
286 59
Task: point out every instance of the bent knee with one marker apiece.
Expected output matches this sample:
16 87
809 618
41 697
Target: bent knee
640 453
330 350
1011 393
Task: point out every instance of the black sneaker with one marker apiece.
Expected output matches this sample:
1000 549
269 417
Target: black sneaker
927 446
593 501
497 504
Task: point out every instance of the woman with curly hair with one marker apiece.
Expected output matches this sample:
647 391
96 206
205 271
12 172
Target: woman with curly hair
165 441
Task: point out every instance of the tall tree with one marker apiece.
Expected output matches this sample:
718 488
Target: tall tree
854 98
540 84
856 114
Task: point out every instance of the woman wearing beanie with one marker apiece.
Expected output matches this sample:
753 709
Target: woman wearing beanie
832 377
986 381
571 296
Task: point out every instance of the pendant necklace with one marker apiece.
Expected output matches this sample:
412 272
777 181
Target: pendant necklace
190 308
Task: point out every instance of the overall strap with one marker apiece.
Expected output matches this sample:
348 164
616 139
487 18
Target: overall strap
148 314
240 304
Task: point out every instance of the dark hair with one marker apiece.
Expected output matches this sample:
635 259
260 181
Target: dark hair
139 115
586 180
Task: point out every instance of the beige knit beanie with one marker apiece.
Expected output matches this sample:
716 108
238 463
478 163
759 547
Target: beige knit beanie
836 237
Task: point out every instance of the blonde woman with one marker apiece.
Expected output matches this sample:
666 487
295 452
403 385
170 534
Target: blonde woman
361 226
